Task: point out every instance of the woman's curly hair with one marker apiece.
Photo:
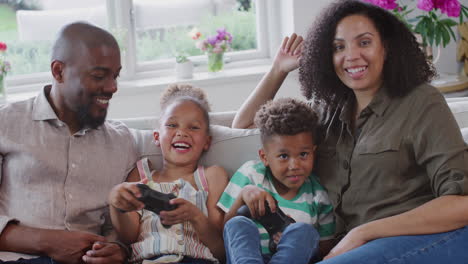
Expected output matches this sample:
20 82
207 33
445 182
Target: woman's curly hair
405 65
285 116
185 92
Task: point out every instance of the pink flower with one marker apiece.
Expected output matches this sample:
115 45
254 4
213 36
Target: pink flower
426 5
449 7
386 4
218 49
3 46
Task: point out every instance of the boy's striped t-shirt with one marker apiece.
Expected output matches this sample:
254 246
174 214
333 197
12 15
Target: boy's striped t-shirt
311 204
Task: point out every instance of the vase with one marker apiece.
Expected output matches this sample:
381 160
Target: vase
184 70
2 89
215 61
428 50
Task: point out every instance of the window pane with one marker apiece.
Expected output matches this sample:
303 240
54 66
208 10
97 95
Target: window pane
163 26
29 27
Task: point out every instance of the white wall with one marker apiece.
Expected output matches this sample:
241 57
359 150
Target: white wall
292 16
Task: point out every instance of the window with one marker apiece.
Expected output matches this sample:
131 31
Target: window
29 28
150 32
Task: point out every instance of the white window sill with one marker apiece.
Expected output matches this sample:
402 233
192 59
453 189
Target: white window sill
233 72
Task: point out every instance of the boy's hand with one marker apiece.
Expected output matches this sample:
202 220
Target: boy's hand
185 211
288 55
254 197
124 197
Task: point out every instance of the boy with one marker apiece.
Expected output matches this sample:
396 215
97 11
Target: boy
287 130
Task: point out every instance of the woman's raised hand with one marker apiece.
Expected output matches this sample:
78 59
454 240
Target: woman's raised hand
288 55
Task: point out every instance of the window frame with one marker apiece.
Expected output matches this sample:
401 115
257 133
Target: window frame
120 14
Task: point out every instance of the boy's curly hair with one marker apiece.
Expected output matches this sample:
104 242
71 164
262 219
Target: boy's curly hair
185 92
286 116
405 66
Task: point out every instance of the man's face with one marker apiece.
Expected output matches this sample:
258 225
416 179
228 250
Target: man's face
90 80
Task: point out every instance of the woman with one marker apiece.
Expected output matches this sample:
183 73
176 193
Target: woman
391 156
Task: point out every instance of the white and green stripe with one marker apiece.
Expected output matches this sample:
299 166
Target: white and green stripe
311 204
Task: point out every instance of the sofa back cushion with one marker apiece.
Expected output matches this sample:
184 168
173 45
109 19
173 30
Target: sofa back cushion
230 148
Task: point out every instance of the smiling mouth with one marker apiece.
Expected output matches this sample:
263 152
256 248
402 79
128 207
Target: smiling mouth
103 101
181 146
356 70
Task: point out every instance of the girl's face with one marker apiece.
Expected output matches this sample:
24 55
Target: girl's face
359 54
183 134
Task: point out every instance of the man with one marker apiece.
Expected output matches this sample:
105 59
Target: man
59 157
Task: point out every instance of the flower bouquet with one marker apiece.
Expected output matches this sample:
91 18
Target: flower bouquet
214 46
435 24
5 67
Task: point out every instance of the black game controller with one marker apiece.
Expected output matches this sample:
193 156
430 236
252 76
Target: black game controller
156 201
274 223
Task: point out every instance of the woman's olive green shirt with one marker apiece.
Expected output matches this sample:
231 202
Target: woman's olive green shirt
404 152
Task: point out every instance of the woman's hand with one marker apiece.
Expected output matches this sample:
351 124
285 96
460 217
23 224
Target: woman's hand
287 57
185 211
254 197
124 197
355 238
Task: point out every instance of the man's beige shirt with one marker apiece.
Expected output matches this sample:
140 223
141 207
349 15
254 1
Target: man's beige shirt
52 179
403 153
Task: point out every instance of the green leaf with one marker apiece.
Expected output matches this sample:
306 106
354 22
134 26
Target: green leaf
438 34
448 22
449 29
431 32
445 36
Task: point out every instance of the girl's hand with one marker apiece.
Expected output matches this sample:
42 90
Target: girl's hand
254 197
354 239
185 211
124 197
287 57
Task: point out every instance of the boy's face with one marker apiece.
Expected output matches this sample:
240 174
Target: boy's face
291 159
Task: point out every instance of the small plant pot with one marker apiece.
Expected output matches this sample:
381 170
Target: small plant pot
184 70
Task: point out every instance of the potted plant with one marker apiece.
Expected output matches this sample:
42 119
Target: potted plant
183 67
214 46
434 26
4 69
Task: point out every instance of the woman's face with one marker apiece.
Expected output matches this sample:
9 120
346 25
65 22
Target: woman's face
359 54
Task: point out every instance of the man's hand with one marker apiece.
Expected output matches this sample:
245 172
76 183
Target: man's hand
68 247
254 197
105 253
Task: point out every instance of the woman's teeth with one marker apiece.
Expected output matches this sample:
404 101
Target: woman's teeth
356 70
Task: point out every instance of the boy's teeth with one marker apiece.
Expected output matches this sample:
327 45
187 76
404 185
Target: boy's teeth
355 70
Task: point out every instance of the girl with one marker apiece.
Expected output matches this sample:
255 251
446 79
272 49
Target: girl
195 232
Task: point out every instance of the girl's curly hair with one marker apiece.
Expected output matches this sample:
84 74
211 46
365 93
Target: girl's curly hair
185 92
285 116
405 66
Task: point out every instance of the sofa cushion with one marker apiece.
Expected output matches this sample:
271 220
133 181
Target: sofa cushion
230 148
459 109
